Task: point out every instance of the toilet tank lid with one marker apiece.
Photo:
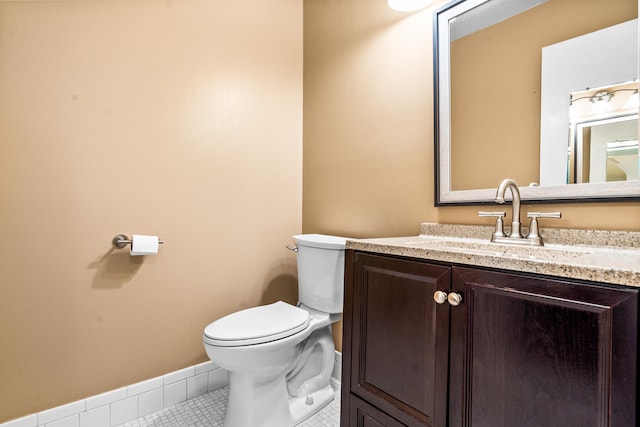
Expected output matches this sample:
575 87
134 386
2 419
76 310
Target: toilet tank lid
320 241
258 324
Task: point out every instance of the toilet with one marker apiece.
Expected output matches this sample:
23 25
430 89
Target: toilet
280 357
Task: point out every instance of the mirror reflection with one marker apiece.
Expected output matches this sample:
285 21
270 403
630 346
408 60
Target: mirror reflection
604 135
502 78
605 151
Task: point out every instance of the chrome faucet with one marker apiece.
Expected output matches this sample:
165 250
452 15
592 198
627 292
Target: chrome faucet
515 235
516 226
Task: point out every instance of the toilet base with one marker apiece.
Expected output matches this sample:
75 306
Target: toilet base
268 408
302 408
257 401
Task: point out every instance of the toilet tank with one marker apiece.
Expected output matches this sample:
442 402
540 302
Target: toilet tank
320 260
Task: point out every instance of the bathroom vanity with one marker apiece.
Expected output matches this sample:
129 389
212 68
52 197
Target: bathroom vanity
448 331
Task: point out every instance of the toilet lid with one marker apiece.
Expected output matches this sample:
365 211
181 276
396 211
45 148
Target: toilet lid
257 325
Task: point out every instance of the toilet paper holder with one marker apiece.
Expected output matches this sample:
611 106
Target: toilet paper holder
122 240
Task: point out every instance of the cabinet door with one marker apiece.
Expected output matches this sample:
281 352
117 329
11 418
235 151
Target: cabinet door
364 415
399 341
529 351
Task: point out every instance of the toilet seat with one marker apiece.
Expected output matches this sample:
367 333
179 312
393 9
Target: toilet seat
257 325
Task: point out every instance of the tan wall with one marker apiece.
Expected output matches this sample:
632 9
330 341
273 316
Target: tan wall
368 128
368 119
181 119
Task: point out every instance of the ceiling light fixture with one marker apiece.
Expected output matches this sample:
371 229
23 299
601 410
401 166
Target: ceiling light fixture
408 5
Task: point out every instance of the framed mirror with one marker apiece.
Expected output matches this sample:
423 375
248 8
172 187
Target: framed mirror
508 75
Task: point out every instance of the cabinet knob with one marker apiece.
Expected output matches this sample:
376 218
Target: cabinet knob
440 297
454 298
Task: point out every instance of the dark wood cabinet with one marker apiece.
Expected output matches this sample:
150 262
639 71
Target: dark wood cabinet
362 414
519 350
399 337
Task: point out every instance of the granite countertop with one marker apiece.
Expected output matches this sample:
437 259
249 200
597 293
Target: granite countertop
601 256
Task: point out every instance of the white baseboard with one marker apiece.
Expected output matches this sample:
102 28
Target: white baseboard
137 400
131 402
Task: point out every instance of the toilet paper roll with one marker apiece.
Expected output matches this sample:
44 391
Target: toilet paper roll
144 245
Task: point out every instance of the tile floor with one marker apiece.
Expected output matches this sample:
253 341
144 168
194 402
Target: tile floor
208 410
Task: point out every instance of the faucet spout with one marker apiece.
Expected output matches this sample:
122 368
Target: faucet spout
516 230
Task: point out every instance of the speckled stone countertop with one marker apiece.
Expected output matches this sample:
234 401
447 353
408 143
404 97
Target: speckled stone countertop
601 256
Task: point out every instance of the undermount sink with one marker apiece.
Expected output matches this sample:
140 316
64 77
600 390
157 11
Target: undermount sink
479 247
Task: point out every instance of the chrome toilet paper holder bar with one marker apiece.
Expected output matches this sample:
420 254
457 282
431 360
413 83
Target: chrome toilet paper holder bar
122 240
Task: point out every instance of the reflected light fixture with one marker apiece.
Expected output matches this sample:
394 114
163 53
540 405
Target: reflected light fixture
601 96
600 101
626 145
408 5
633 101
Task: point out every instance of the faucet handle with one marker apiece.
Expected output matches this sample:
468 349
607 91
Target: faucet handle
499 231
535 215
534 231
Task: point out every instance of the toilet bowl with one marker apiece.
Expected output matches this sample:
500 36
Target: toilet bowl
279 372
280 357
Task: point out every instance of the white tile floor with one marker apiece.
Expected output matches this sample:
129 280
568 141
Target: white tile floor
208 410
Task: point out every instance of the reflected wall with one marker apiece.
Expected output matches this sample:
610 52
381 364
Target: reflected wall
496 89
